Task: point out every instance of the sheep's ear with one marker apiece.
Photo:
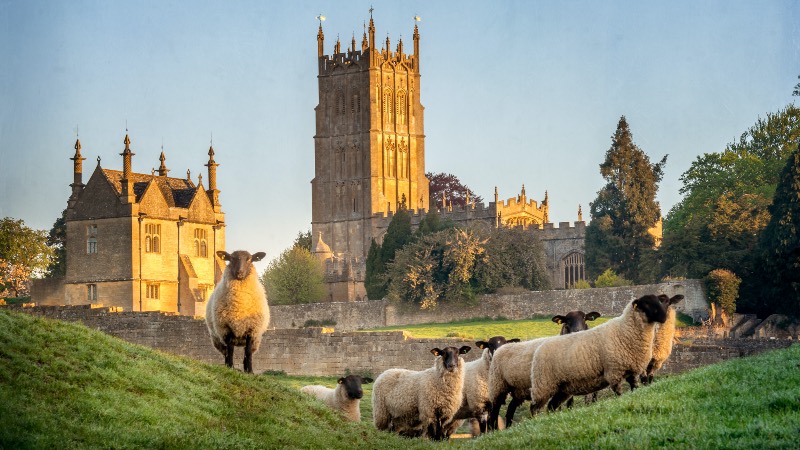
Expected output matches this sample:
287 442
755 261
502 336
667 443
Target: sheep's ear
258 256
464 350
436 352
592 315
559 319
366 380
512 340
675 299
481 344
635 304
223 255
340 380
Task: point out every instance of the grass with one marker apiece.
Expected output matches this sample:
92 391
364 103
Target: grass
485 328
65 386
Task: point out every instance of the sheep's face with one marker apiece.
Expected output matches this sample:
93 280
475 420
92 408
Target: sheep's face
575 321
240 262
651 307
494 343
451 356
667 301
352 385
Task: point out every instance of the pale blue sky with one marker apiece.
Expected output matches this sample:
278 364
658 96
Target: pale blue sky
515 92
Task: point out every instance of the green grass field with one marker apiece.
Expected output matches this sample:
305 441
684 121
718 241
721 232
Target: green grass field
65 386
486 328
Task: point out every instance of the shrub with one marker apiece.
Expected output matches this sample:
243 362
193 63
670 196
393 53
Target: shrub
722 288
311 323
581 284
609 278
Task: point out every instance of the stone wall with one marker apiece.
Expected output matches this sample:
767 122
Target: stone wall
350 316
320 351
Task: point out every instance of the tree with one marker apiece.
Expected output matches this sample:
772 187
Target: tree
726 199
303 240
624 211
398 234
722 288
455 191
779 248
57 241
24 253
294 277
374 277
796 91
514 258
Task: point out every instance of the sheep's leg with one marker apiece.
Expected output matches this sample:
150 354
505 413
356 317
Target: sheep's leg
497 403
537 405
589 399
557 400
248 354
229 349
570 402
633 381
512 408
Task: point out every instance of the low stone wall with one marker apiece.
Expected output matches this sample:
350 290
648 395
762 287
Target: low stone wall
320 351
381 313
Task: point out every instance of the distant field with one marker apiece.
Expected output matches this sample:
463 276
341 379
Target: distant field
485 328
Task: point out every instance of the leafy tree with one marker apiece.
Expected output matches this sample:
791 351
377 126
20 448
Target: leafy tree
57 241
722 288
303 240
24 253
294 277
624 211
455 191
779 248
726 199
609 278
796 91
514 258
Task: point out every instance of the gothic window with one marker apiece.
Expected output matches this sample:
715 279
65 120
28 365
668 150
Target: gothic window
401 107
574 269
91 292
200 245
387 105
152 239
153 291
340 106
91 238
391 162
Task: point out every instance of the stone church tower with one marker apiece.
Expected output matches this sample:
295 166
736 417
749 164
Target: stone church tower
369 145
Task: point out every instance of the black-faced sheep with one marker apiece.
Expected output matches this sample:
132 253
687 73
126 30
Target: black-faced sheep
664 338
583 363
345 398
416 403
237 313
510 373
476 404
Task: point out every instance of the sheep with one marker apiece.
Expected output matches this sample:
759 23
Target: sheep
664 337
583 363
509 372
476 404
237 313
345 398
417 403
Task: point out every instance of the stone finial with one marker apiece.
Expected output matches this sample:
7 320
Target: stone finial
162 170
320 40
337 48
580 214
188 175
199 179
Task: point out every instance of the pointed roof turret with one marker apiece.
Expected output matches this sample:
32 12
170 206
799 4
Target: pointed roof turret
320 40
364 42
127 174
580 214
162 170
337 48
213 192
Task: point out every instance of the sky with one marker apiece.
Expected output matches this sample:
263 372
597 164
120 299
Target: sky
515 92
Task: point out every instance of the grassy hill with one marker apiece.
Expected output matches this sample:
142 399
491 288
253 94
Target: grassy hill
65 386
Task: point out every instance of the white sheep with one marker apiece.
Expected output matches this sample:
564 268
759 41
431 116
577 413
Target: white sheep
415 403
583 363
237 313
664 338
476 404
345 398
510 373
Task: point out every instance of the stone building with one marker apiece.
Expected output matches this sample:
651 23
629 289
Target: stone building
369 152
144 242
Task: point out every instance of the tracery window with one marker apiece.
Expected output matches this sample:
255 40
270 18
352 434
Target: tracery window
387 105
574 269
200 245
152 238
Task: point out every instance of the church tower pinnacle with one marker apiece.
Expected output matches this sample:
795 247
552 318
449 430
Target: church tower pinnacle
213 192
77 174
127 195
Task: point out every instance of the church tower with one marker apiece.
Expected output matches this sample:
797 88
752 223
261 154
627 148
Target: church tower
370 143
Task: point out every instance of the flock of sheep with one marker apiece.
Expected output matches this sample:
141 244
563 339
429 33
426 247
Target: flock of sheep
435 402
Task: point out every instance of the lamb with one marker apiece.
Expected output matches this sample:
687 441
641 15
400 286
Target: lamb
583 363
237 314
509 372
664 337
476 404
421 402
345 398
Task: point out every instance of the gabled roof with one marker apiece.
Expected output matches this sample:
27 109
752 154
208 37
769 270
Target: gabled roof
178 192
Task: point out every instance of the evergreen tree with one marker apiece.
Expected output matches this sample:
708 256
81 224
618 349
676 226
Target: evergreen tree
303 240
57 241
780 245
624 211
398 234
374 277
